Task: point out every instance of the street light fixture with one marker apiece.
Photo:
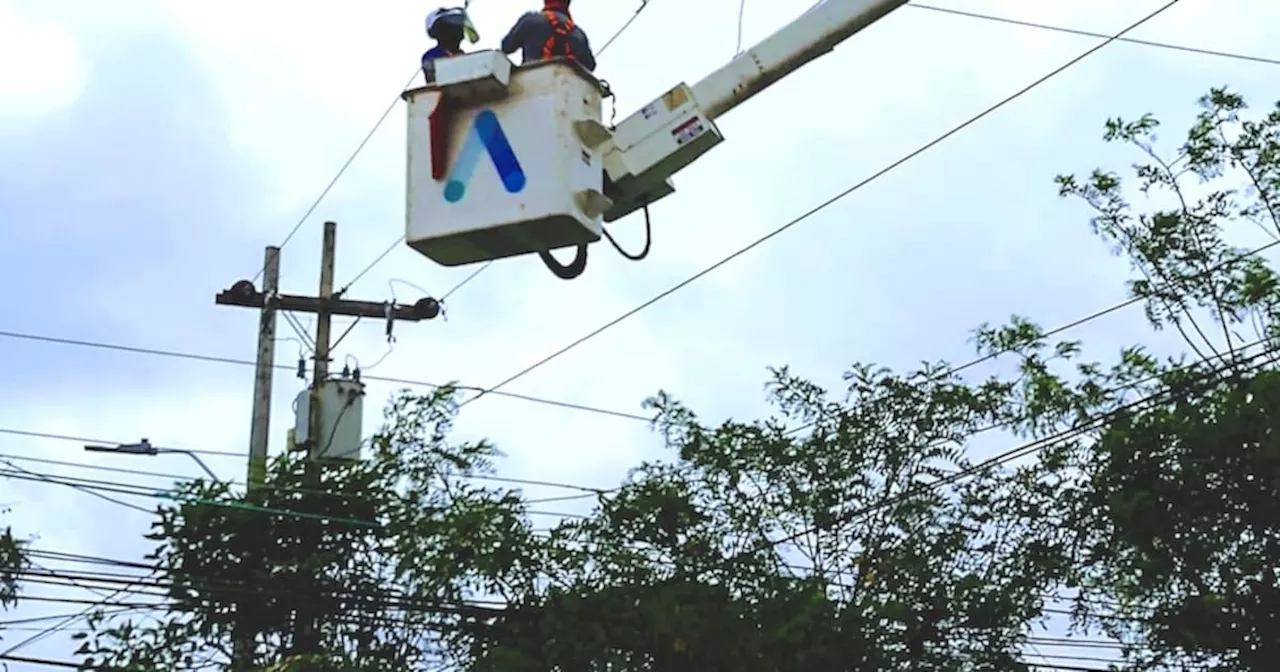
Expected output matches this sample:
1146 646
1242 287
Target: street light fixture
144 447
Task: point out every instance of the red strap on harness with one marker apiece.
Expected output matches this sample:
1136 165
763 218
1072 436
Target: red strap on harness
559 36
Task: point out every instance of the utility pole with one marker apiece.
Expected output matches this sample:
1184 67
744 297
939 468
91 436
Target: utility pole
304 626
322 421
260 430
244 640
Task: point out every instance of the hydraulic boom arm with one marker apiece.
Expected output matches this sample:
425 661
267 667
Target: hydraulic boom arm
813 34
671 132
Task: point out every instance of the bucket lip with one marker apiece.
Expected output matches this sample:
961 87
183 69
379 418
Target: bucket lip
577 68
574 65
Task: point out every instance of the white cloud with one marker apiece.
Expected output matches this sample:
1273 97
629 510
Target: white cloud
44 69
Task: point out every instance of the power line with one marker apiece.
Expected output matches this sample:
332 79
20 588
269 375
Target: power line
742 15
241 587
156 352
78 666
585 491
68 619
77 558
347 164
9 623
1098 314
1022 450
824 205
588 490
1086 33
96 487
32 475
47 662
609 42
87 485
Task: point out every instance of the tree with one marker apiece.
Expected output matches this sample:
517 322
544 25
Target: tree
826 538
13 561
838 544
1173 503
405 538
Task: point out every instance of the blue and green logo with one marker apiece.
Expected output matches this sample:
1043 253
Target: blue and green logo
486 135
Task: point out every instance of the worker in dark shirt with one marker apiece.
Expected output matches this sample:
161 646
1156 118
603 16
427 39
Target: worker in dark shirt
549 34
448 27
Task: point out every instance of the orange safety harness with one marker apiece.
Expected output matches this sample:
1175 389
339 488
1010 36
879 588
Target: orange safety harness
559 36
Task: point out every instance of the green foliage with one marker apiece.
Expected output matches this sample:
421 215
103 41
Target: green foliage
765 548
1171 501
381 553
13 561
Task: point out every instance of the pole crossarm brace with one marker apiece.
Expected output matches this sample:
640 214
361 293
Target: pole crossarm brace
245 295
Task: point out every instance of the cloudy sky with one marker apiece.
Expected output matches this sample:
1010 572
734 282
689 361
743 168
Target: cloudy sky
151 149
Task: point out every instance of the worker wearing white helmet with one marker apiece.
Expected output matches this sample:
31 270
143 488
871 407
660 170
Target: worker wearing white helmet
448 26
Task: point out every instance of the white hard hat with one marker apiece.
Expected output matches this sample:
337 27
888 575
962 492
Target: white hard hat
452 15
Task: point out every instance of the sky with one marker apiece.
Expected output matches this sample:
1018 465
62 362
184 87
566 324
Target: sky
152 149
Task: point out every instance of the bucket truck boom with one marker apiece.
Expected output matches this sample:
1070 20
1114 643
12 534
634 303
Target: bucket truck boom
671 132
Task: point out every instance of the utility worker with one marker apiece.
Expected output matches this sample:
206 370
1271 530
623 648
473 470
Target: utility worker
549 34
448 27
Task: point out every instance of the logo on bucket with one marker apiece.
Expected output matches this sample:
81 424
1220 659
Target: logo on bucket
486 137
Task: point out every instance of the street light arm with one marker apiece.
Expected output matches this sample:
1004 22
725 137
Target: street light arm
207 470
144 447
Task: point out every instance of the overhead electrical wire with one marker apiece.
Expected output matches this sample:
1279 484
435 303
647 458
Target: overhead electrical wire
585 491
1022 450
292 368
822 206
391 602
36 476
1103 312
96 487
342 170
66 664
93 485
115 486
230 588
85 440
150 586
1076 430
1086 33
71 618
77 558
742 15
